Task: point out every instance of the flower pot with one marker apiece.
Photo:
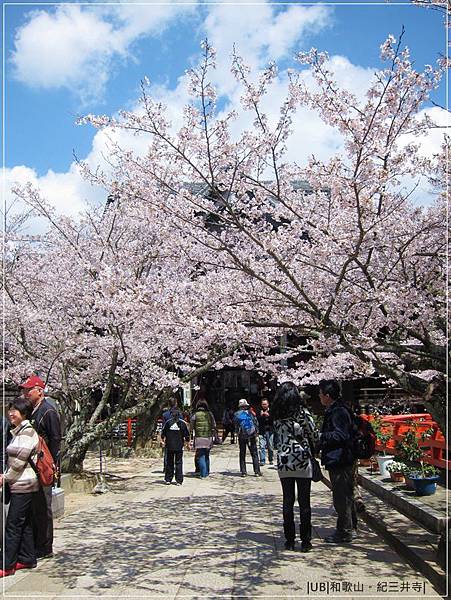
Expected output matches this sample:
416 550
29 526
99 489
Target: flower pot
383 461
409 482
364 462
425 486
397 476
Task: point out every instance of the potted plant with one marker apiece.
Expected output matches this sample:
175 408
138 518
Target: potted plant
397 471
418 475
425 480
383 437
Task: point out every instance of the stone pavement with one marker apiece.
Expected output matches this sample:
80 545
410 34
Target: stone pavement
221 537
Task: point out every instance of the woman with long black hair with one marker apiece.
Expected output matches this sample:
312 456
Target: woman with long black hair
295 437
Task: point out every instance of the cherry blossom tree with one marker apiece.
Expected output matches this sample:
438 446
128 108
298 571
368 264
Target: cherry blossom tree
346 262
114 315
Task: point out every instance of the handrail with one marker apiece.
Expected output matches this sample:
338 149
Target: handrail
436 449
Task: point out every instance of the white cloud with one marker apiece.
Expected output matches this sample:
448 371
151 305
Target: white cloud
259 34
67 192
76 47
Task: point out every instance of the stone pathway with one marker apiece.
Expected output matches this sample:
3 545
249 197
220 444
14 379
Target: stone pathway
221 537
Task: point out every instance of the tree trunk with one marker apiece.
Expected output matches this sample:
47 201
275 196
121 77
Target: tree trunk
146 422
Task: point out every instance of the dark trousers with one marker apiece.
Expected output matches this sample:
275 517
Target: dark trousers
251 443
165 452
19 537
303 485
43 521
342 481
225 432
174 461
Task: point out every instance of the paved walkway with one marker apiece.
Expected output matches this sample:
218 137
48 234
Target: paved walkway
220 538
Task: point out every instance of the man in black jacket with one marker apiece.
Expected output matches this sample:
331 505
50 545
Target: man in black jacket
46 422
337 458
174 433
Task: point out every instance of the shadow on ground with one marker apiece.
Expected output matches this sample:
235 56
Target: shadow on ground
226 544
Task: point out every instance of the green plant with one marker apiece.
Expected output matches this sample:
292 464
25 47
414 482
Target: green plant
428 470
397 467
381 435
411 450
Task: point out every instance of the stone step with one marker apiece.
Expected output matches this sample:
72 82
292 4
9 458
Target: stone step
411 540
420 510
71 483
417 544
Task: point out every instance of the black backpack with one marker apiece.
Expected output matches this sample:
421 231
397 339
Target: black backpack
363 437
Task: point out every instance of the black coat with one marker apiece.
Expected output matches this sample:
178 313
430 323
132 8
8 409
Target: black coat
175 432
265 423
336 437
47 423
6 437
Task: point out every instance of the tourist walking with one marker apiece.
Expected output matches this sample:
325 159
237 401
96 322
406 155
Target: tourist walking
19 551
295 437
166 415
338 459
174 434
228 425
246 427
46 422
203 427
265 433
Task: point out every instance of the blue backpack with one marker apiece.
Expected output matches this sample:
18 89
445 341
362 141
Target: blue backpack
246 424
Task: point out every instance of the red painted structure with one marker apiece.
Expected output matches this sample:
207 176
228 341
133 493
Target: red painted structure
436 450
130 431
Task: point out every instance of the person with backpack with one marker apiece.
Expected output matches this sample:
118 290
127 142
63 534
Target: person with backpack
46 422
295 438
165 417
174 434
364 446
19 551
337 456
246 427
203 427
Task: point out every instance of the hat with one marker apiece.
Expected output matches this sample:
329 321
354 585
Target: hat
31 382
243 403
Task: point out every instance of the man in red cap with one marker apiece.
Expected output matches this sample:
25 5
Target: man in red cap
46 422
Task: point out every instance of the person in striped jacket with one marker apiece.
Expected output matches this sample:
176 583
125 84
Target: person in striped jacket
19 548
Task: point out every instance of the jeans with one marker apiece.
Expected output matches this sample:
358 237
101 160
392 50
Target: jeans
266 443
303 485
19 538
204 461
174 461
342 481
252 444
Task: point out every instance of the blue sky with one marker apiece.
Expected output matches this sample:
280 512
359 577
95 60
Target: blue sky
63 62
